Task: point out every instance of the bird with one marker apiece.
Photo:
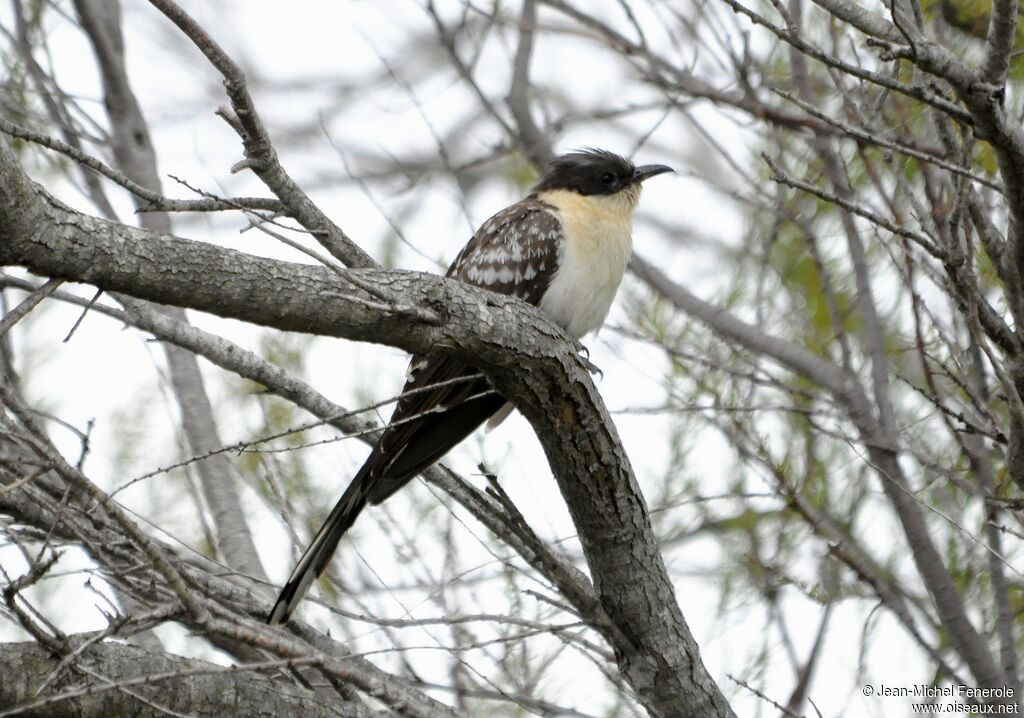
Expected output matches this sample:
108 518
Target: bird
564 248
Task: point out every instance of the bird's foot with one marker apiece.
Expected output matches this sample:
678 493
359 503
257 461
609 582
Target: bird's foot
584 355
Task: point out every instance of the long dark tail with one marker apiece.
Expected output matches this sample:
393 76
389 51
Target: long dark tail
420 442
322 547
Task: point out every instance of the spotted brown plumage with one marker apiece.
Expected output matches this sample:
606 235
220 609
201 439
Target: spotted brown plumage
514 252
564 249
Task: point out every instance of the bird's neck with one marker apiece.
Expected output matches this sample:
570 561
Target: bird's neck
613 209
602 221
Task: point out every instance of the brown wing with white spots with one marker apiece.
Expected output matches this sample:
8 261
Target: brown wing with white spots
514 252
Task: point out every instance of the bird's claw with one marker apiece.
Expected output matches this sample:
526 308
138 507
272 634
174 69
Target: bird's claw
584 355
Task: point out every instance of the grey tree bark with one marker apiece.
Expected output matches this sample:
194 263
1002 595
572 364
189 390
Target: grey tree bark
527 357
114 679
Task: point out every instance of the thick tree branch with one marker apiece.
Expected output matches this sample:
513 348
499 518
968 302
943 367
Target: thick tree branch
573 585
1002 29
525 355
119 679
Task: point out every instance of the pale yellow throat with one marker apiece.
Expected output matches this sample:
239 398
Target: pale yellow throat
594 219
592 258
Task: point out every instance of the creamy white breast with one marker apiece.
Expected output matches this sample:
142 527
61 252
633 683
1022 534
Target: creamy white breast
592 258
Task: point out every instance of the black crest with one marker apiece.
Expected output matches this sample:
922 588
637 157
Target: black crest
588 171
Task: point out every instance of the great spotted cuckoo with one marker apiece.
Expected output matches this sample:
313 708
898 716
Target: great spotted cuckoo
564 249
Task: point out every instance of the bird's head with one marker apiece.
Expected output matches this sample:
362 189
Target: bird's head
597 173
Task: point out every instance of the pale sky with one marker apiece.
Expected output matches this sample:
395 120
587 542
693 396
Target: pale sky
112 375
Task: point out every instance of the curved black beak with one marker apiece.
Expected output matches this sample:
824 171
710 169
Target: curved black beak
644 172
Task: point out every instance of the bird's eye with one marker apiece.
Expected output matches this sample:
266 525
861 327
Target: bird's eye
607 178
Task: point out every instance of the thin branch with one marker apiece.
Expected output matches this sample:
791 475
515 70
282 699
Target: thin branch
260 155
535 144
853 208
28 304
151 201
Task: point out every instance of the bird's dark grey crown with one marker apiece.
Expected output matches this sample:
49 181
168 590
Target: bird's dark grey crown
588 171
